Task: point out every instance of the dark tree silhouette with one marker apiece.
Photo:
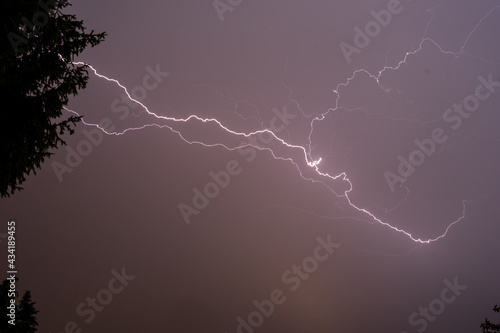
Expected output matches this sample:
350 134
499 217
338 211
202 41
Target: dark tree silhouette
489 327
37 49
25 312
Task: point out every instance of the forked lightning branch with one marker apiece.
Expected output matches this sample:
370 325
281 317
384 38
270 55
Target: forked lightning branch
221 179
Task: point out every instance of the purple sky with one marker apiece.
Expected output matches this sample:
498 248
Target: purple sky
170 228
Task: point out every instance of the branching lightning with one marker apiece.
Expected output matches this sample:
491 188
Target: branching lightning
306 151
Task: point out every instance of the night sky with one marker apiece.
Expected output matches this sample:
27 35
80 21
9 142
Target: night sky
366 199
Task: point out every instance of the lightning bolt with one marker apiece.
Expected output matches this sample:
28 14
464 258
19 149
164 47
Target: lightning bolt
306 150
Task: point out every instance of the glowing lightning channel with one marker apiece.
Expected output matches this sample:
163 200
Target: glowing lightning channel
306 152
